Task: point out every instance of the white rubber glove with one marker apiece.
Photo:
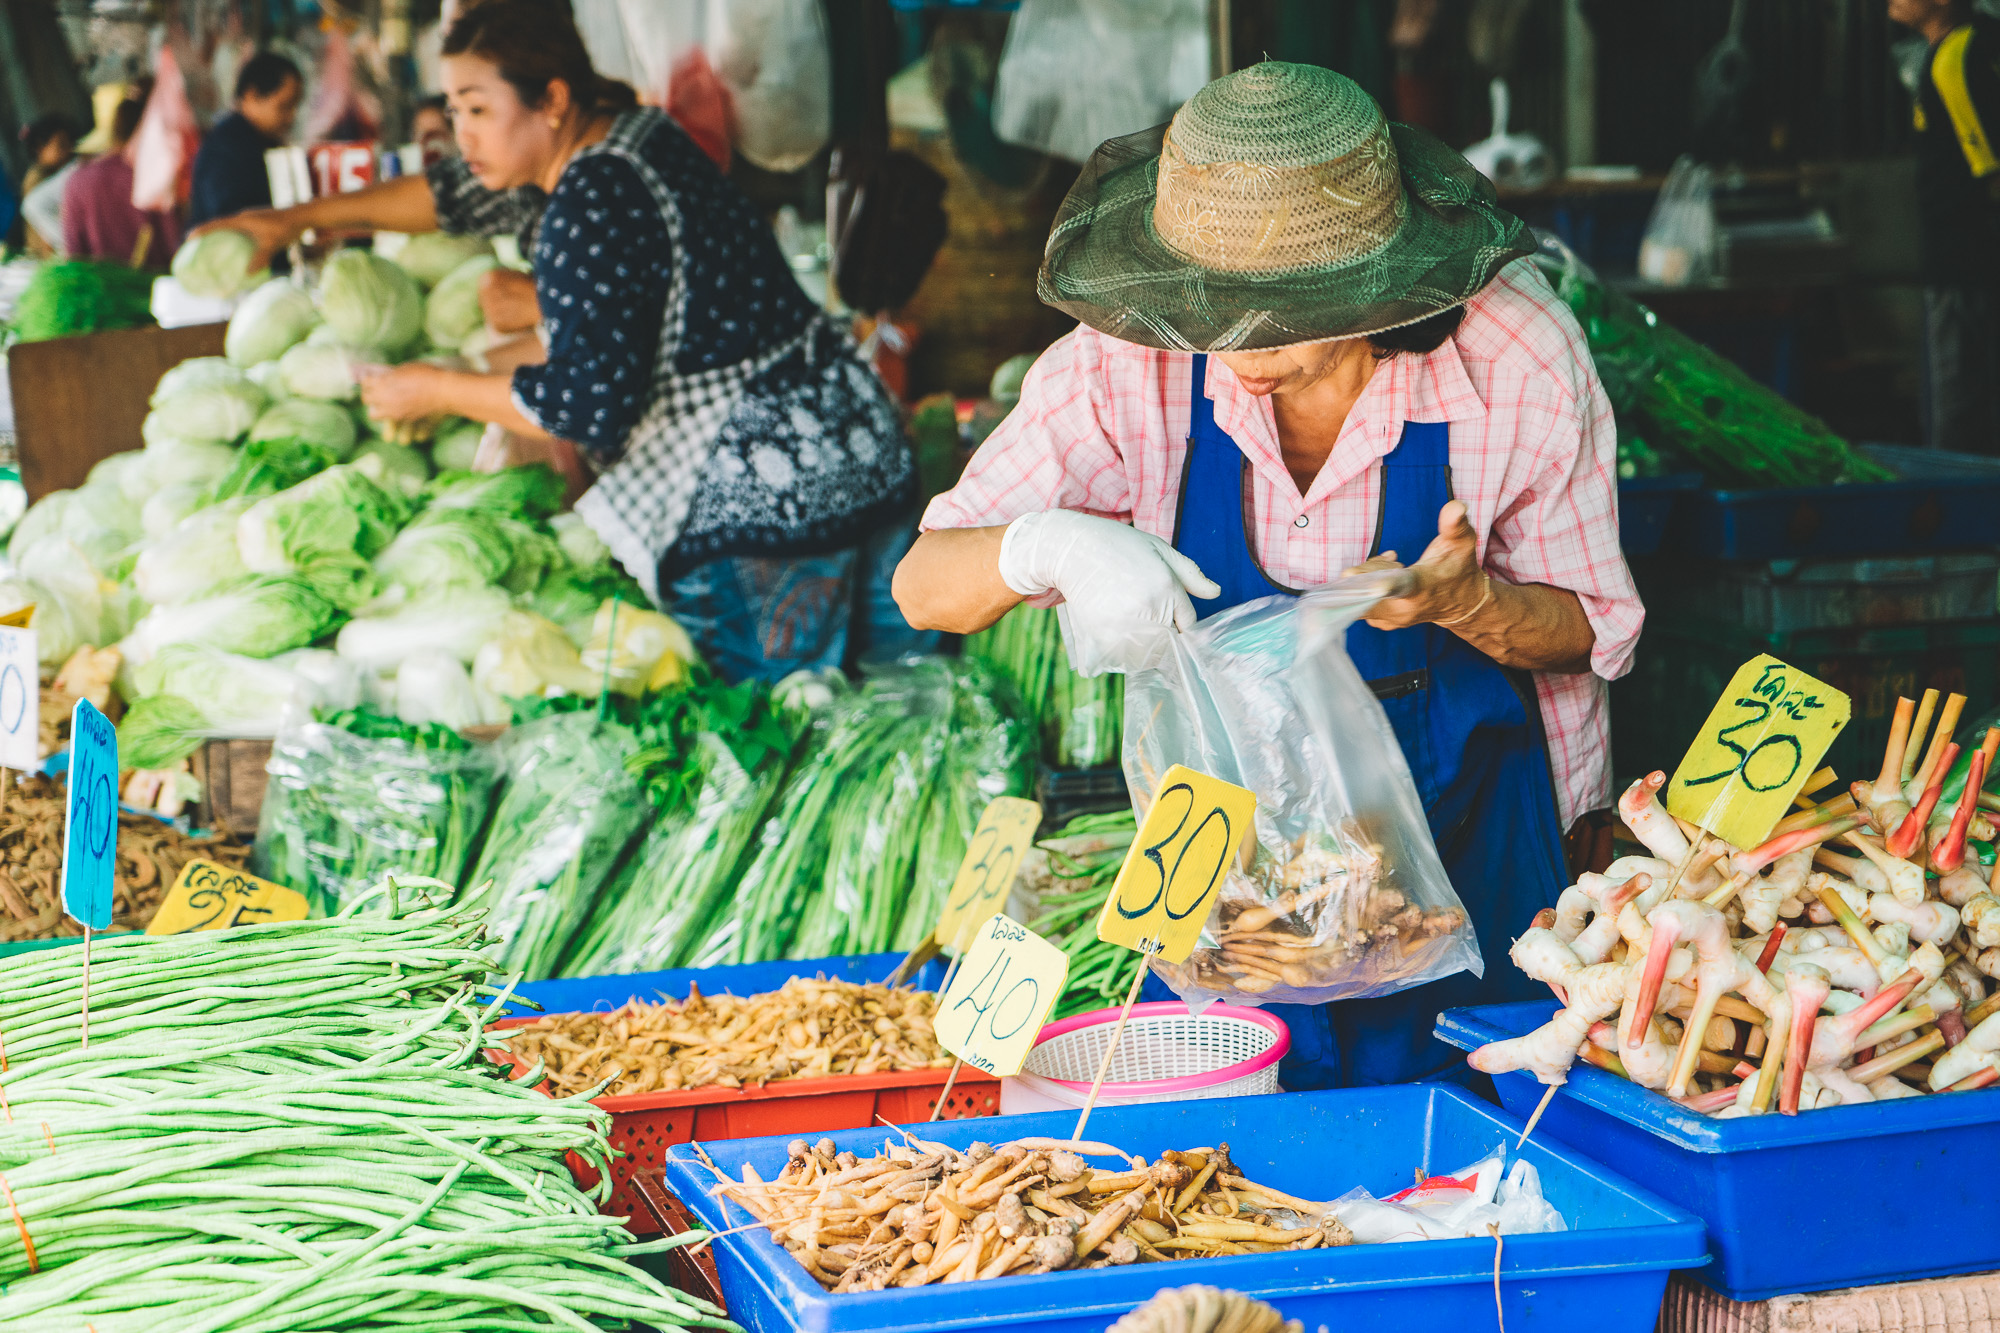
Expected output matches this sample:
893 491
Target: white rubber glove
1123 590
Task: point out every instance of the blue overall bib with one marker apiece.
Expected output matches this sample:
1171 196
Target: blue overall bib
1472 734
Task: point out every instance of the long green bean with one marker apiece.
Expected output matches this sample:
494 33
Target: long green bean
292 1126
1099 973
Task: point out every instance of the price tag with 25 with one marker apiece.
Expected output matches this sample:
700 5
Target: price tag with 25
1170 878
1764 738
1000 996
986 876
90 841
207 896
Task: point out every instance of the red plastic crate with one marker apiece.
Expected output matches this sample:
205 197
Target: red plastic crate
644 1125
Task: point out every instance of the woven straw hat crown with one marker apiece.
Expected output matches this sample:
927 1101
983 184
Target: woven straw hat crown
1277 167
1279 207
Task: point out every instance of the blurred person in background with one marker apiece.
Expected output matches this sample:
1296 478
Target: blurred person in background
98 219
10 202
1957 110
430 130
50 144
229 174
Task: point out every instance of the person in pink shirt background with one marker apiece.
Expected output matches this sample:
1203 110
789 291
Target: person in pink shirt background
1312 342
99 221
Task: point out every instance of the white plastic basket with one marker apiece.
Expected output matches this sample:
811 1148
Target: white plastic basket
1166 1054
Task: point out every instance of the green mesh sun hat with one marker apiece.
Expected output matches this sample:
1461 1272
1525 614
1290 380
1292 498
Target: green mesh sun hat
1279 207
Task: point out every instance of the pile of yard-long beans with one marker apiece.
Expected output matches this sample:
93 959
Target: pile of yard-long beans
1078 718
294 1126
1082 861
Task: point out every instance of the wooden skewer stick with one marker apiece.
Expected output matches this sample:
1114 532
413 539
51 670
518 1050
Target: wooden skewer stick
1104 1065
957 1064
1536 1118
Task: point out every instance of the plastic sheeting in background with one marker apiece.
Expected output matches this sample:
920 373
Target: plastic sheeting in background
1078 72
163 149
758 72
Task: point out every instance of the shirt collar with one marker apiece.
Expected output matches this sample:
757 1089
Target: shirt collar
1434 386
1431 386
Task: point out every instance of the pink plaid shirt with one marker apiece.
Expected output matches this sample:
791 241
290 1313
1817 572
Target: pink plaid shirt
1102 427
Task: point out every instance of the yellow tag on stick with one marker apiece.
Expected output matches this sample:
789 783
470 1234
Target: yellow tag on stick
986 876
1000 996
212 897
1168 884
1763 740
19 619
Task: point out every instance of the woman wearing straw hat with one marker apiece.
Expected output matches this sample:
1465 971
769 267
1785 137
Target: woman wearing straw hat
1311 343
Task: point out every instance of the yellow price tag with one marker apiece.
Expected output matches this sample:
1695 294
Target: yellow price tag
212 897
19 619
1001 996
986 876
1765 736
1167 886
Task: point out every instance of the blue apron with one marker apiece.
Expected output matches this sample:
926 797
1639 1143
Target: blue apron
1472 733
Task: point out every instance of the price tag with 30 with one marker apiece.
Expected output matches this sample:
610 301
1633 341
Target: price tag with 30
986 876
207 896
1001 996
1170 878
1765 736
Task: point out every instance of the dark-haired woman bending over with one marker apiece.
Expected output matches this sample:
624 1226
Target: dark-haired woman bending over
744 464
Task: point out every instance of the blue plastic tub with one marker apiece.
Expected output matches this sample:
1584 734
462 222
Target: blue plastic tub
1939 502
1605 1275
1645 504
583 994
1844 1197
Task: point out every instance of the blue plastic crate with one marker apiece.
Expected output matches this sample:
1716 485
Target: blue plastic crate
1939 502
1844 1197
583 994
1646 504
1605 1275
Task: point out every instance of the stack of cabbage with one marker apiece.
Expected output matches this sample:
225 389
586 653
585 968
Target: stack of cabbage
270 546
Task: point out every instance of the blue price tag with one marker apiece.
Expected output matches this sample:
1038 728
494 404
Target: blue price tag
91 845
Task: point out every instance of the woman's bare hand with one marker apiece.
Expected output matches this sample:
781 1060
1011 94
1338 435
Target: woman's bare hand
507 299
410 392
270 229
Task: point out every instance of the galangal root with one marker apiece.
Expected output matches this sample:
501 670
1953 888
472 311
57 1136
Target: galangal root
150 857
917 1213
1324 916
1788 976
808 1028
1205 1310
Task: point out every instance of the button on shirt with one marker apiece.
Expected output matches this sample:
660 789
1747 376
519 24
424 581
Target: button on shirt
1102 427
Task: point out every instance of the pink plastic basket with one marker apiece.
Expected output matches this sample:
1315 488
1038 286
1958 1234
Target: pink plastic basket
1166 1054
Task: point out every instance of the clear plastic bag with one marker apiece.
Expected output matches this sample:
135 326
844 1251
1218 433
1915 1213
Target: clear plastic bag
656 913
991 753
348 804
1679 245
560 828
1478 1200
893 777
1077 72
1340 894
770 59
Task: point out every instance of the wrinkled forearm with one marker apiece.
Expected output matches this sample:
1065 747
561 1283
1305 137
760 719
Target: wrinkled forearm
1531 627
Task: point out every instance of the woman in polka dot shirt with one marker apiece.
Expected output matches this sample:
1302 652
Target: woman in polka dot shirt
742 462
